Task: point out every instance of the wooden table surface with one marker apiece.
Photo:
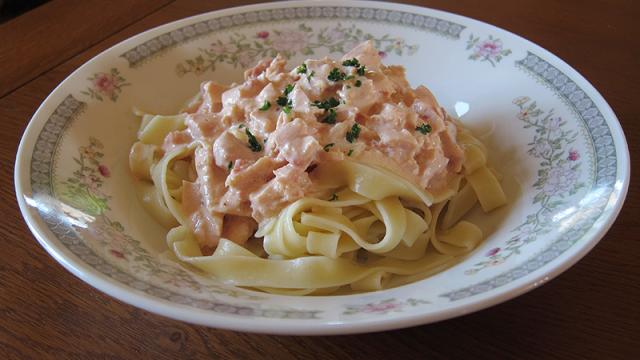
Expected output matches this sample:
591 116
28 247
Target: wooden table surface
591 311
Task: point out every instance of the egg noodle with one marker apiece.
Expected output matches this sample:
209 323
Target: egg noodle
364 227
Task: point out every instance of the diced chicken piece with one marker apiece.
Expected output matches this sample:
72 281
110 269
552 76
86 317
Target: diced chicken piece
297 142
211 97
367 55
175 139
238 228
451 149
205 126
427 107
206 225
227 149
316 82
363 97
276 70
257 70
247 177
300 101
431 159
290 184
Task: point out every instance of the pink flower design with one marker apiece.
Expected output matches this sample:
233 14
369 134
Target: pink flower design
560 180
493 251
105 83
398 44
117 254
262 34
289 41
335 35
574 155
496 261
245 59
220 48
382 54
542 148
489 48
554 123
381 307
104 170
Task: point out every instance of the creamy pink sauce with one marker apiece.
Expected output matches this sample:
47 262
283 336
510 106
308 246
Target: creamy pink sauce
261 183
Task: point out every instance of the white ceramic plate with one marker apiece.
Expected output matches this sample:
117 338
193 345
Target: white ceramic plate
544 123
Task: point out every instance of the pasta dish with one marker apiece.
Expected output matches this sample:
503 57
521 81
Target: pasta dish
332 177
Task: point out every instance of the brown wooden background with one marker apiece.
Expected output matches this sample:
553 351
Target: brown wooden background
591 311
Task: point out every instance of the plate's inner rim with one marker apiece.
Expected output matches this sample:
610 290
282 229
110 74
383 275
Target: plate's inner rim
606 169
161 43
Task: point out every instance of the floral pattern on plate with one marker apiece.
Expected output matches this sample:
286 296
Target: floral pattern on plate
383 307
106 85
558 178
241 50
84 191
490 49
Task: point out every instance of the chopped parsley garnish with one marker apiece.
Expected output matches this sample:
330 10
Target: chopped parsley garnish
352 62
336 75
302 69
353 134
240 126
349 77
330 118
230 166
329 111
424 129
288 89
265 106
350 152
254 145
310 75
358 83
361 70
327 147
282 101
327 104
333 197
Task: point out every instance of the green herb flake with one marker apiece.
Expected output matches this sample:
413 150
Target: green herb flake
326 104
358 83
361 70
336 75
282 101
353 134
350 152
287 108
424 129
330 118
288 89
265 106
328 146
254 145
310 75
302 69
333 197
351 62
230 166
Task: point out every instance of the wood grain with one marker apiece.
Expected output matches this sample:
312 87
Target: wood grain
54 32
591 311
